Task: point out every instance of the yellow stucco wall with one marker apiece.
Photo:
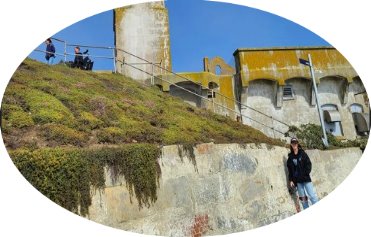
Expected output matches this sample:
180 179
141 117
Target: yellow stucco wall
211 64
225 91
281 64
199 77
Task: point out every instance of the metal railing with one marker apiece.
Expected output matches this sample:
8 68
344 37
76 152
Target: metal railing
65 53
204 98
272 127
169 72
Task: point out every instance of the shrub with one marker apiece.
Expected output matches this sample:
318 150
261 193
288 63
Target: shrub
61 175
45 108
63 135
66 176
187 149
20 119
310 136
16 117
138 164
89 121
111 135
104 109
145 133
174 135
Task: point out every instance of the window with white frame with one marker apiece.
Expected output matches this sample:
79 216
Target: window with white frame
288 93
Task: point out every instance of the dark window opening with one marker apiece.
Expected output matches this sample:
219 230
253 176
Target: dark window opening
288 93
211 94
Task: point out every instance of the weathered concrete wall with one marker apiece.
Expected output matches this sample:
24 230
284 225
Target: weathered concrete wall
210 65
264 72
186 96
283 63
262 95
235 188
142 30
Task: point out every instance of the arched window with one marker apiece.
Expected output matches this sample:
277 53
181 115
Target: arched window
356 108
212 85
360 119
332 119
218 70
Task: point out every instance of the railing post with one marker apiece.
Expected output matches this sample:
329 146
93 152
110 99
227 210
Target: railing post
153 76
274 135
161 67
65 51
212 98
123 65
114 59
225 105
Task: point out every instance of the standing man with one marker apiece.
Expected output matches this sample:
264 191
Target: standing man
50 51
299 167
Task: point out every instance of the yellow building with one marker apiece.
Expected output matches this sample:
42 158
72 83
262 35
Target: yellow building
273 81
205 89
270 90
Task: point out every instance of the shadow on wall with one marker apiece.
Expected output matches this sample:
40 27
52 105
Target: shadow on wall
302 90
260 92
186 96
332 89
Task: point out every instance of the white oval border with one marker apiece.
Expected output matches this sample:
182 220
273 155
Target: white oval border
24 24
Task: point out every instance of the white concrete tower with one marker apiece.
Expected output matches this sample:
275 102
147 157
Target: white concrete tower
142 30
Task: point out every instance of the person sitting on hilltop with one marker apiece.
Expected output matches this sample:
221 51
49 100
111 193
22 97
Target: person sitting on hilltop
79 61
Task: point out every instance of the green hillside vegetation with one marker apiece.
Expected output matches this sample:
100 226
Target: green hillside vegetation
49 106
62 126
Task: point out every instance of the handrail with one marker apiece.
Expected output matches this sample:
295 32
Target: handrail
56 39
84 46
89 46
200 84
71 54
207 99
44 51
158 65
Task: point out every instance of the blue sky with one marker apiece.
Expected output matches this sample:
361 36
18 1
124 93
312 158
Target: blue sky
205 29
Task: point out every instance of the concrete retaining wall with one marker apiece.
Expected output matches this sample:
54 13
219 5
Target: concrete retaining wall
232 188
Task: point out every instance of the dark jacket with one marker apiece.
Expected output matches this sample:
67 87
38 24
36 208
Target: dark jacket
299 167
79 60
50 51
